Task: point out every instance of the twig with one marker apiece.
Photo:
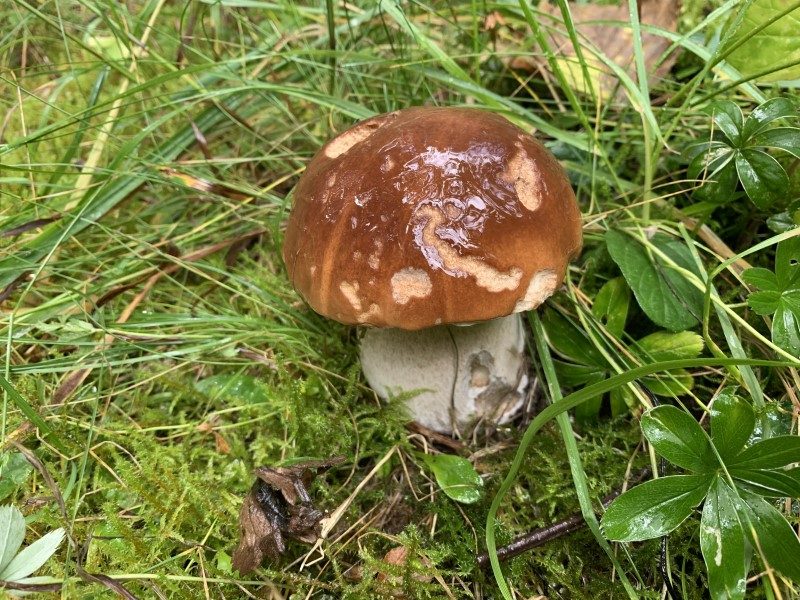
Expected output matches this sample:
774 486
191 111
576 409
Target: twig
542 535
31 587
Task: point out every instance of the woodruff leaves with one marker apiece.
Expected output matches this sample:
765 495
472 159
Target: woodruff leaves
739 153
779 294
730 479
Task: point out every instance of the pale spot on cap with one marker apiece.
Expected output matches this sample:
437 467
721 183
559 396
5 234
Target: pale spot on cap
410 283
542 285
524 174
452 261
373 311
343 142
350 291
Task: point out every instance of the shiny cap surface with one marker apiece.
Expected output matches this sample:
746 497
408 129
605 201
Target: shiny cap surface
426 216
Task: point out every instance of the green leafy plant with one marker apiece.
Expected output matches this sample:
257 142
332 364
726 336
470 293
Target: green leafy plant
15 565
736 484
456 476
665 295
779 294
586 365
737 152
14 471
772 54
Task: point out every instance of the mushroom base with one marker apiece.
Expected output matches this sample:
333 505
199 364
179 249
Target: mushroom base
457 374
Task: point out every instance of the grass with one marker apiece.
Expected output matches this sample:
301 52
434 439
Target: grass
155 353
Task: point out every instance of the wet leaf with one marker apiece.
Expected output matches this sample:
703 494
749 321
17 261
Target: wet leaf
654 508
278 506
678 437
611 305
732 424
762 177
728 118
774 537
771 453
722 543
779 293
241 387
664 294
770 484
456 476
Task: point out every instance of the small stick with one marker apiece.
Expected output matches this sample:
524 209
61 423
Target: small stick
542 535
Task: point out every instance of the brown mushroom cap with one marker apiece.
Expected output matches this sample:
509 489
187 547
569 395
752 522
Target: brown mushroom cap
430 215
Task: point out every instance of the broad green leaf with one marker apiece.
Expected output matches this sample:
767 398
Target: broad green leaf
764 303
33 557
781 138
588 411
762 177
662 345
732 424
772 484
12 533
678 437
611 305
574 375
728 118
14 470
621 400
784 221
671 384
780 294
654 508
761 278
456 476
775 45
569 341
771 453
722 542
774 537
708 158
665 296
719 186
241 387
787 263
786 324
766 113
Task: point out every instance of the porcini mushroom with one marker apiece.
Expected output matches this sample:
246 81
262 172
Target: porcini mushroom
413 222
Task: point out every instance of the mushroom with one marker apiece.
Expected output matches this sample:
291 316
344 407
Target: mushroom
419 221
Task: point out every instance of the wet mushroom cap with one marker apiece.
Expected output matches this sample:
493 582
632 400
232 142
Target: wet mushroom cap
426 216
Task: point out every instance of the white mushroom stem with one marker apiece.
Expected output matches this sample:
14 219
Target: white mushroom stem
457 374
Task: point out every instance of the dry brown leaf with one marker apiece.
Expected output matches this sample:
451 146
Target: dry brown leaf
398 557
278 505
616 42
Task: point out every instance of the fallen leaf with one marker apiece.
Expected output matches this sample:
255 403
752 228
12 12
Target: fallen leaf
616 42
222 445
277 506
397 557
